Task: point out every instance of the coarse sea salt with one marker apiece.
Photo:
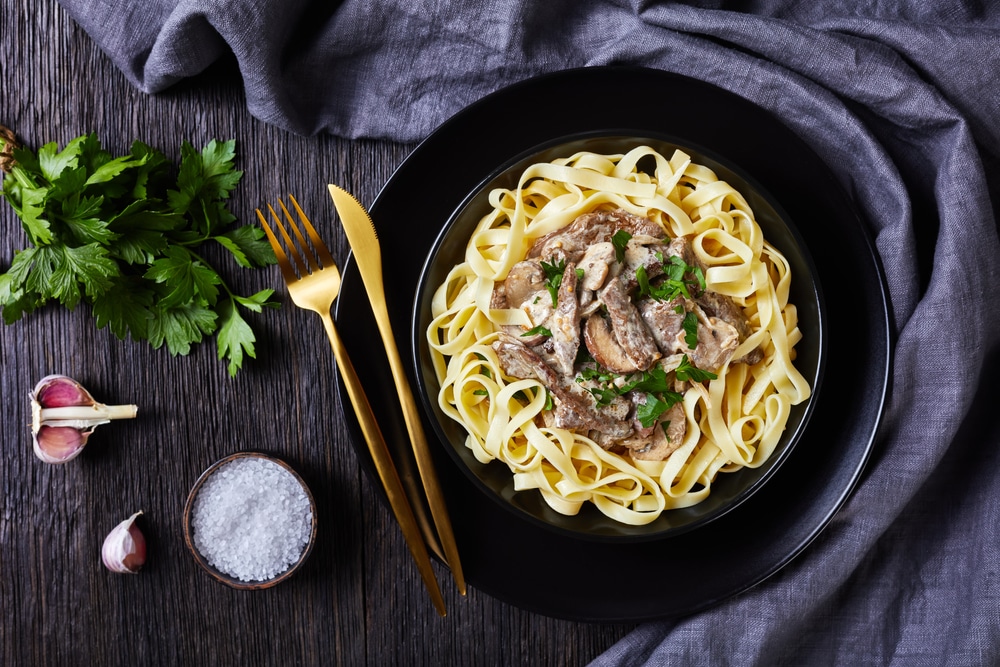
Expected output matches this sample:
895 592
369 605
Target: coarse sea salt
251 519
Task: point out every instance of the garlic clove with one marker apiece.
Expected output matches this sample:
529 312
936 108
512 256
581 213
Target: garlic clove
64 415
57 391
124 549
59 444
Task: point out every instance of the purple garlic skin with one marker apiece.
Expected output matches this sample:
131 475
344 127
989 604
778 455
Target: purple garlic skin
64 415
124 549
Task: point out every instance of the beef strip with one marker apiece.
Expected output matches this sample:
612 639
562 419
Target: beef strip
565 324
572 241
663 321
680 246
574 407
715 305
628 327
643 251
724 308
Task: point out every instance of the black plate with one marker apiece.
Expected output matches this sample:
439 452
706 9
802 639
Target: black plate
728 490
534 568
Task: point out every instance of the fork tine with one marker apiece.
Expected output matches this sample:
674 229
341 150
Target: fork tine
293 251
287 272
324 254
306 252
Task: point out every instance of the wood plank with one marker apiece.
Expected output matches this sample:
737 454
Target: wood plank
359 600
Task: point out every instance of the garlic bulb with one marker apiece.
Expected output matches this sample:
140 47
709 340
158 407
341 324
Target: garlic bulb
124 549
64 414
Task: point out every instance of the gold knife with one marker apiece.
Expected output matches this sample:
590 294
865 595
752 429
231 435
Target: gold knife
364 243
387 472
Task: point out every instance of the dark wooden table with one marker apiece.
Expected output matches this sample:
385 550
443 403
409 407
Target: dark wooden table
358 600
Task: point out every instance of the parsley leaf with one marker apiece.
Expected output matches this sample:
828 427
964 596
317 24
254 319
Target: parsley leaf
124 235
125 308
647 413
620 240
553 278
235 337
180 327
534 331
690 326
687 371
675 281
247 244
652 381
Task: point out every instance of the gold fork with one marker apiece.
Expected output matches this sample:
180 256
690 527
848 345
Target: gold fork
313 282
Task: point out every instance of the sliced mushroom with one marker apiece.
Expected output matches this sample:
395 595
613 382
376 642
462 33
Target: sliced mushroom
724 308
604 348
596 264
523 281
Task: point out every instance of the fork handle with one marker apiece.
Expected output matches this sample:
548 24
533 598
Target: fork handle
384 465
418 442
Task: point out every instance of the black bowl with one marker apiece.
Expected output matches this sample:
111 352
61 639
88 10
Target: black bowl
728 489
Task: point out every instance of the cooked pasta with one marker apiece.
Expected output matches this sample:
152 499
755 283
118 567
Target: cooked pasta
733 418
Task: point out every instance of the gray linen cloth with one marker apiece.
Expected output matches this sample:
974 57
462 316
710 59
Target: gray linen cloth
902 100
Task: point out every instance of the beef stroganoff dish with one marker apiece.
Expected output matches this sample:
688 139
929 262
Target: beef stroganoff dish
619 333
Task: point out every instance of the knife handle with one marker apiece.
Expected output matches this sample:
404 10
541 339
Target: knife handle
384 465
421 451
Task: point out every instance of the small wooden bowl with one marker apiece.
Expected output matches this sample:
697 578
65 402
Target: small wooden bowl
222 576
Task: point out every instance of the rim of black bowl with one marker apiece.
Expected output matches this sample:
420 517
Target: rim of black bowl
221 576
729 490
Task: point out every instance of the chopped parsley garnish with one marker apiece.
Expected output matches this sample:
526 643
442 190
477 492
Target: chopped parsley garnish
553 278
597 374
648 412
484 370
690 326
534 331
653 383
654 380
686 371
619 240
675 282
607 391
603 395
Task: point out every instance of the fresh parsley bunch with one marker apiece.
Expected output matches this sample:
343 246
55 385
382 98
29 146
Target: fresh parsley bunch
124 235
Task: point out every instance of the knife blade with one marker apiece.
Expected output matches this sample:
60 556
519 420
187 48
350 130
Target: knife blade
363 239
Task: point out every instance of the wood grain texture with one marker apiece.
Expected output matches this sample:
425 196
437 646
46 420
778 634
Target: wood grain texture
358 600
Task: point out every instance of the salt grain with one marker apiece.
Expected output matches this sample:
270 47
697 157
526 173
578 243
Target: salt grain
251 519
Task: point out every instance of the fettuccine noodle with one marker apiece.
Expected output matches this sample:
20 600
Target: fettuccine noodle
733 422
